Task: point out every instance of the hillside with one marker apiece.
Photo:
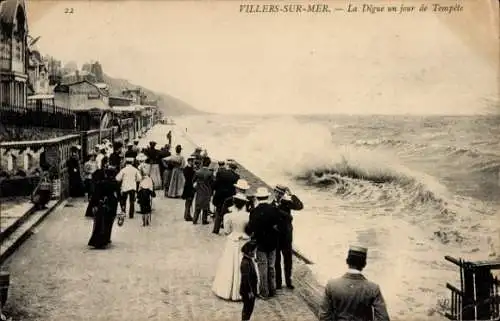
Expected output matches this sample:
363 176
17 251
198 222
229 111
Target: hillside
170 106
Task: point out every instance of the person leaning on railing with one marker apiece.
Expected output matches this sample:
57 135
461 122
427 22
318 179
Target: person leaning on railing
42 192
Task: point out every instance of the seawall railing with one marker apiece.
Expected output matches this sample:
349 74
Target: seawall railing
20 160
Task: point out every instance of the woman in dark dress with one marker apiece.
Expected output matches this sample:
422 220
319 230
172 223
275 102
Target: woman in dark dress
106 193
97 176
188 191
75 177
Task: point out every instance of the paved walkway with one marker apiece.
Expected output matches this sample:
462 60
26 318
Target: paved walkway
160 272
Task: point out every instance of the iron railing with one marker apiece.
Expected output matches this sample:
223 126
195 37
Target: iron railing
37 115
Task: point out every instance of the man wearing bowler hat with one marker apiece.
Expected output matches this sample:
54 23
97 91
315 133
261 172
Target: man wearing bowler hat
352 296
285 202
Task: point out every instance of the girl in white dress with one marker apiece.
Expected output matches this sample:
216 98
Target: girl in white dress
227 278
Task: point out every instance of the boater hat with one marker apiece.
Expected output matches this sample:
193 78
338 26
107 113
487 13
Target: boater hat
141 157
242 184
262 192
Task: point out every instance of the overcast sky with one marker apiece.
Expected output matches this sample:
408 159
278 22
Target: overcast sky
220 60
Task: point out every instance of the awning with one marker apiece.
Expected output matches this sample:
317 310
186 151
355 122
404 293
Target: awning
92 104
41 96
127 109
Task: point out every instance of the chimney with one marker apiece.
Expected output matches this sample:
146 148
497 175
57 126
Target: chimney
77 75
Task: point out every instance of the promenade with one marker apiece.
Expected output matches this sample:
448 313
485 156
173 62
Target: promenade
160 272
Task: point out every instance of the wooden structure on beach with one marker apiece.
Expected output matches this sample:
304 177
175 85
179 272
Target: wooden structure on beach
478 297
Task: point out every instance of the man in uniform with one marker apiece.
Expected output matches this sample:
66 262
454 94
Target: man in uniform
352 297
285 201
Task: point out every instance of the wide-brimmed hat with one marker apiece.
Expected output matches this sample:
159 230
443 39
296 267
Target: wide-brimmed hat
242 184
141 157
240 196
262 192
130 144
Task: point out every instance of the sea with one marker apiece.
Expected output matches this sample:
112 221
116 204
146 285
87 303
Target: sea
412 189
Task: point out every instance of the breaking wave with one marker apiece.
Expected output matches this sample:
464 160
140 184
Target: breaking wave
364 177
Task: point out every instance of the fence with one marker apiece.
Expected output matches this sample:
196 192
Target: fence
22 156
478 297
38 115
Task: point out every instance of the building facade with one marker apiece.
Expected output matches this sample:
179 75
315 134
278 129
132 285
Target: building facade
38 74
137 96
13 53
82 95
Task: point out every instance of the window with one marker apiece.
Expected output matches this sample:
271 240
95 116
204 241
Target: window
5 47
18 49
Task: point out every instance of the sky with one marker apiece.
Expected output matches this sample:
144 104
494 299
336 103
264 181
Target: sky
220 60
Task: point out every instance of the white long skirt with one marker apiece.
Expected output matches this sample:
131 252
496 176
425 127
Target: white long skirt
155 176
228 276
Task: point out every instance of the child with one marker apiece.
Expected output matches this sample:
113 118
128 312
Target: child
146 192
249 279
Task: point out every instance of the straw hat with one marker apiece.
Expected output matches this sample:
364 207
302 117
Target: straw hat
262 192
141 157
242 184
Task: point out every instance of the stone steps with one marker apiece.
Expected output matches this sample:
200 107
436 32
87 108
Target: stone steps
18 225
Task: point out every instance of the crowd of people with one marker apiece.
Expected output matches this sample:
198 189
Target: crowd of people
257 226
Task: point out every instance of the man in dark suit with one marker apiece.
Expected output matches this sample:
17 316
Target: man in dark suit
262 226
224 187
285 202
130 153
116 159
352 296
203 180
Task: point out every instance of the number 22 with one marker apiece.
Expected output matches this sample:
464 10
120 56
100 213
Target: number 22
68 10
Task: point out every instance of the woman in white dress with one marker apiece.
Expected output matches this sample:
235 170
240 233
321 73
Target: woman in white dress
227 278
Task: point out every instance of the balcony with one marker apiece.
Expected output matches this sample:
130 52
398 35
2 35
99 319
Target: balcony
37 115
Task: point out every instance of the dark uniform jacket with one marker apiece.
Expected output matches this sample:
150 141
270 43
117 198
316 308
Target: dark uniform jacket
285 226
352 298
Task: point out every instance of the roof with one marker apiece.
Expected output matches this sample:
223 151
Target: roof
64 88
8 10
41 96
101 85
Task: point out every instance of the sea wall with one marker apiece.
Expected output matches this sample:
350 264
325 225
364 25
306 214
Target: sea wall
306 284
